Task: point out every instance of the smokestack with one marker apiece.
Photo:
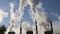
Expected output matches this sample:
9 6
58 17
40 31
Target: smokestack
21 13
21 27
29 32
50 22
36 27
51 26
11 32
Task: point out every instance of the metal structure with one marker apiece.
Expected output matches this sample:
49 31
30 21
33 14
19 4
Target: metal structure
36 27
51 26
2 29
50 31
47 32
21 27
29 32
11 32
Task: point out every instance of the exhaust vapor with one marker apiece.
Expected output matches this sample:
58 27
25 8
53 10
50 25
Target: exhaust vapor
2 15
36 15
12 18
39 16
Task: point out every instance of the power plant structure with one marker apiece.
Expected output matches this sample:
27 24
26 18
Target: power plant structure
36 27
2 29
29 32
51 31
21 27
11 32
42 24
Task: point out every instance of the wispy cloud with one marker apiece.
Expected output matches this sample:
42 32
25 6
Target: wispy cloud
56 15
2 15
59 17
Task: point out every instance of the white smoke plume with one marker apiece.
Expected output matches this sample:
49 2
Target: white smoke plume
20 12
21 9
12 14
36 15
15 17
5 14
16 30
2 15
12 18
25 27
40 17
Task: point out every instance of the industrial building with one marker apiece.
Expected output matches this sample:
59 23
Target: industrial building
11 32
2 29
29 32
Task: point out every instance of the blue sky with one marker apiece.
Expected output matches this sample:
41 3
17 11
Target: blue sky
52 7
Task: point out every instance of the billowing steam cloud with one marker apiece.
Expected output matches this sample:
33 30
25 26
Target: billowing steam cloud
20 12
25 27
12 14
2 15
40 17
21 9
36 15
12 18
1 18
15 17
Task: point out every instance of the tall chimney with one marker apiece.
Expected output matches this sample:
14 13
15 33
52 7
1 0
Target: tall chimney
50 21
51 27
21 27
36 27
